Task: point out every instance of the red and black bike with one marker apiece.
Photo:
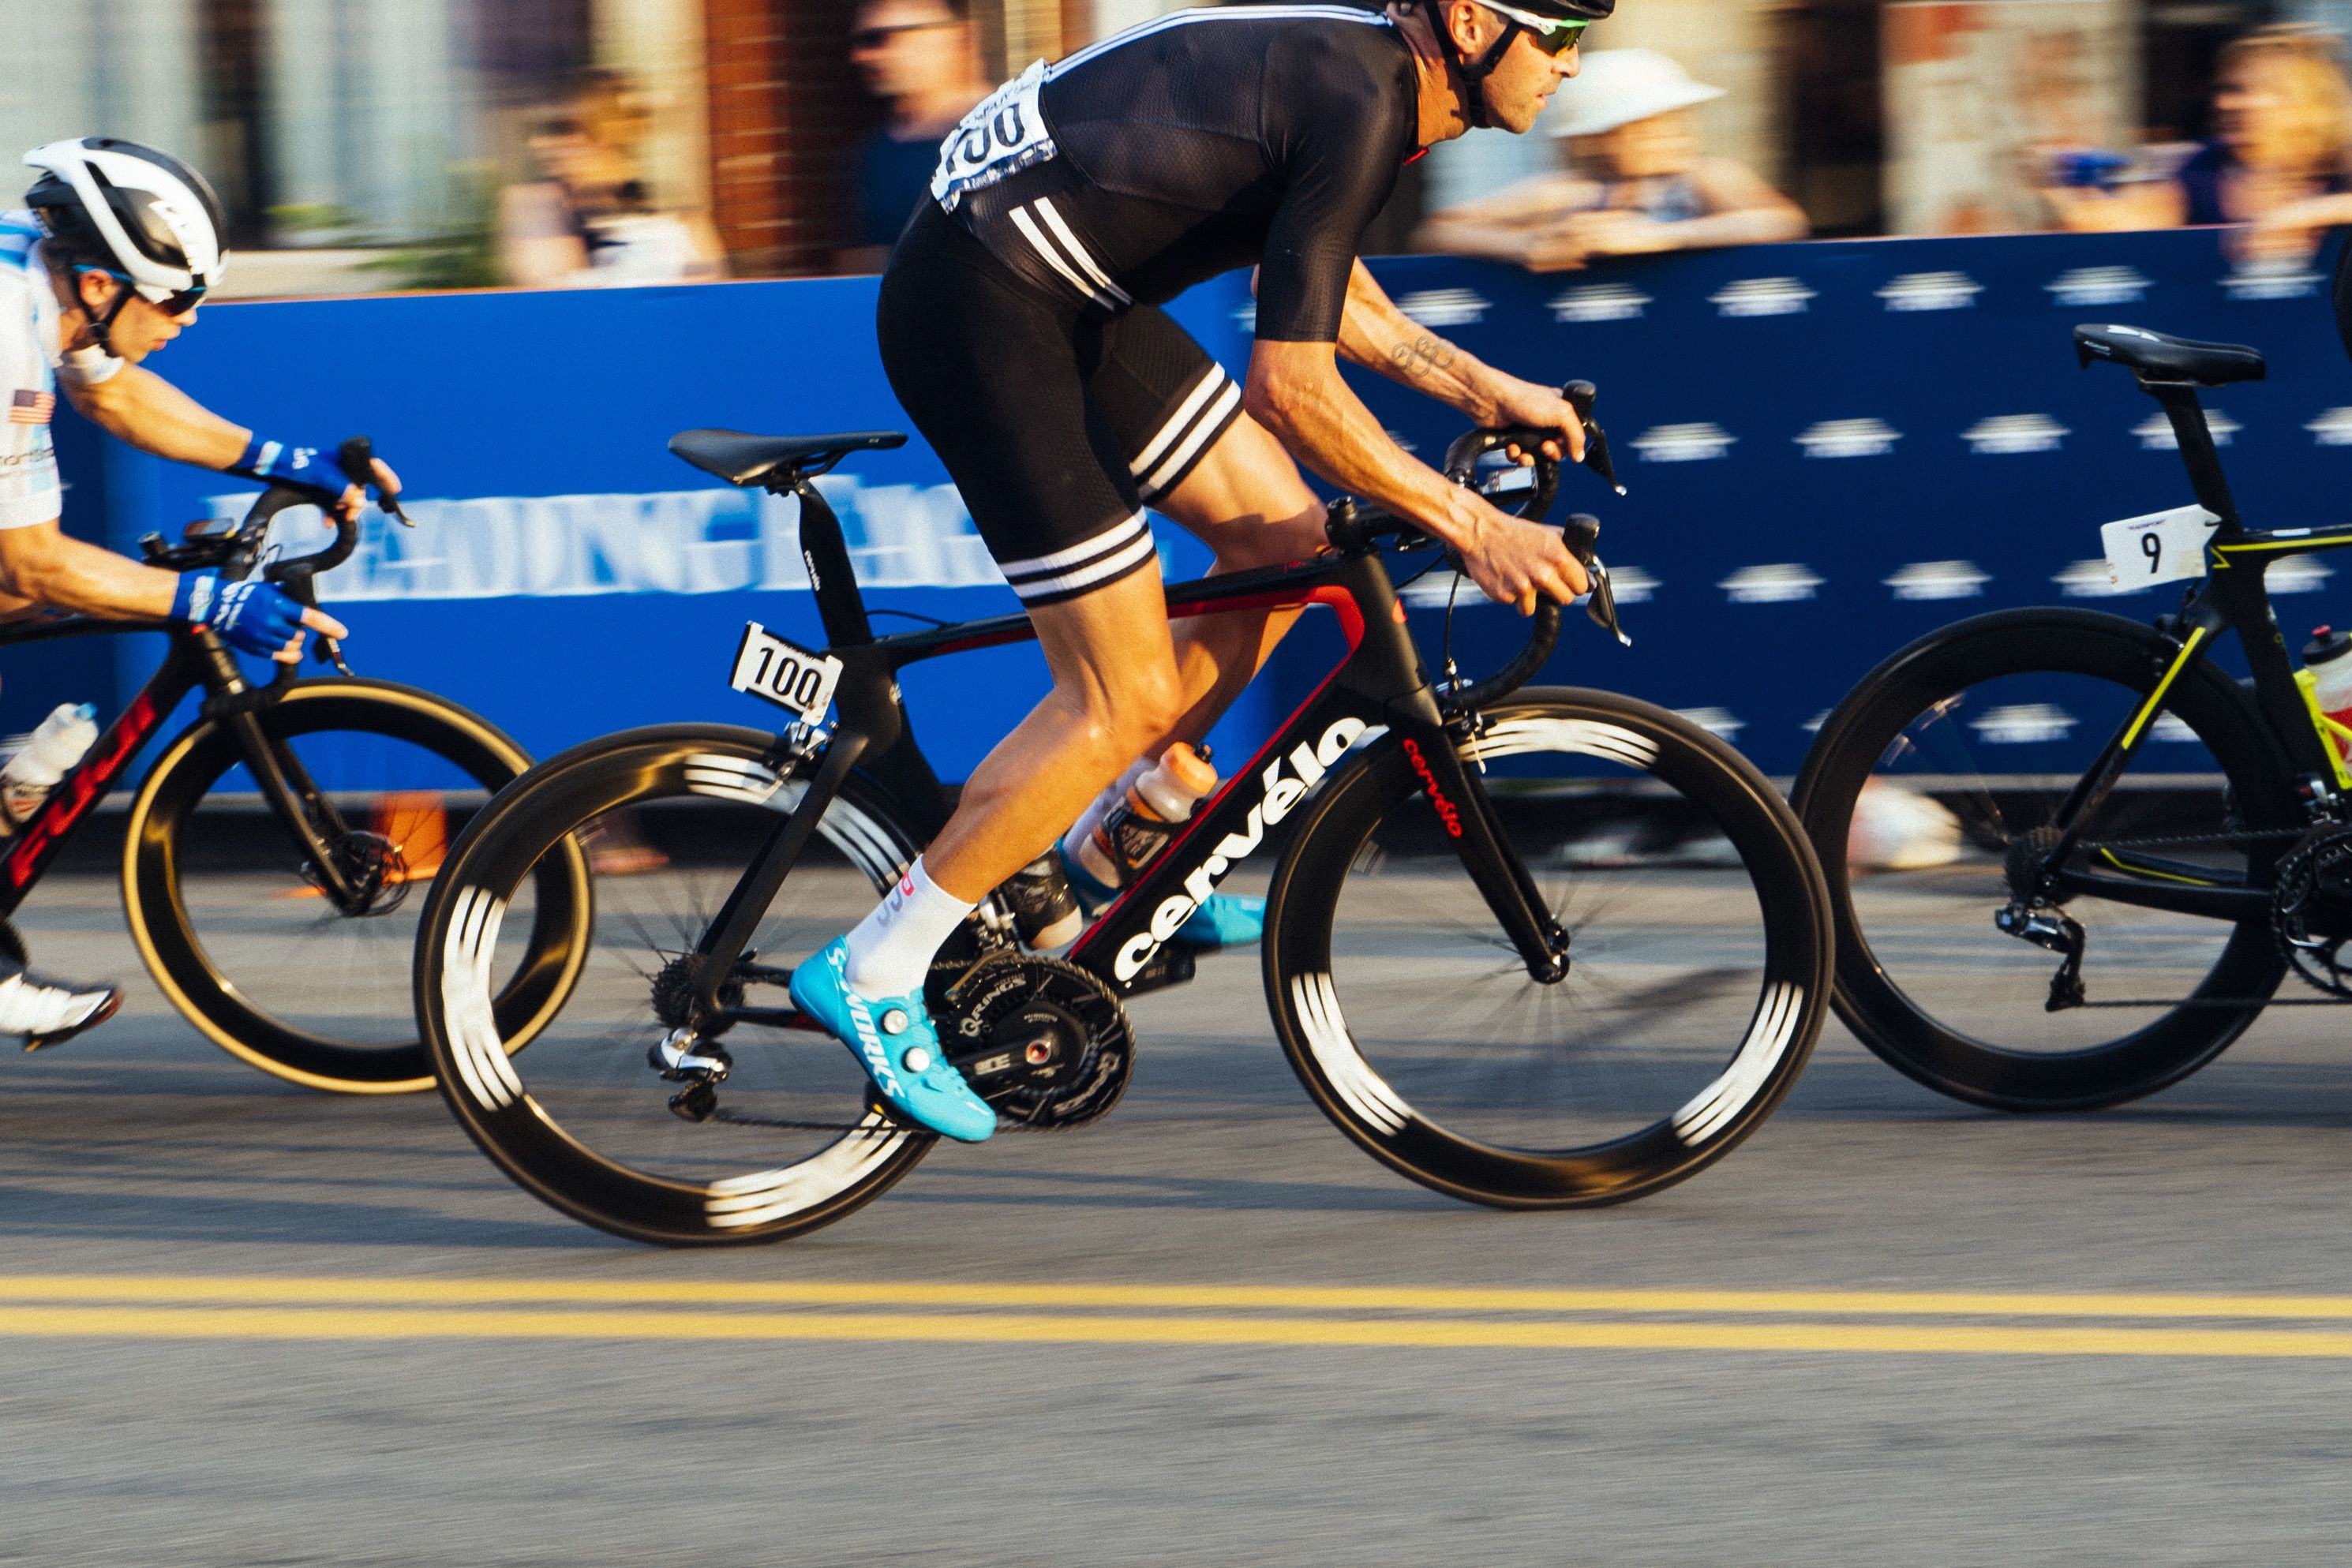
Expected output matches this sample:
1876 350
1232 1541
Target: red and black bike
272 850
1534 947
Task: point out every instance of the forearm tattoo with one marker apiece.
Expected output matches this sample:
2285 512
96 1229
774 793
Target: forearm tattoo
1423 356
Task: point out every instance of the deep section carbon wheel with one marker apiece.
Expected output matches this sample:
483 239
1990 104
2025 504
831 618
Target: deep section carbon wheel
1931 795
1698 950
230 915
749 1135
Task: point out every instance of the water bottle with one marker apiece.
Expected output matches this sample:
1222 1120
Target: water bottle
2326 674
1139 827
29 777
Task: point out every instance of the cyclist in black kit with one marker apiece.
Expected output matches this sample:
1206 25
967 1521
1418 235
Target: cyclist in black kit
1019 327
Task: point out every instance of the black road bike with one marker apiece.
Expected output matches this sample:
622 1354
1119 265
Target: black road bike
269 857
2135 847
1533 947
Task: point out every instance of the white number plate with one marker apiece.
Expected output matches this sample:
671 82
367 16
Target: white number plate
1006 134
2162 546
791 678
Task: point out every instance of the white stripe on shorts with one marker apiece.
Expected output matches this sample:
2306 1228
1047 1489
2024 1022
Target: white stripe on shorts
1196 435
1105 556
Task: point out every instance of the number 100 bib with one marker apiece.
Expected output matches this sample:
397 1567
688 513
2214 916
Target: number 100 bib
1003 135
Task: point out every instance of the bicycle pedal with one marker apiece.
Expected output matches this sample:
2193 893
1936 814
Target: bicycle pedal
1173 964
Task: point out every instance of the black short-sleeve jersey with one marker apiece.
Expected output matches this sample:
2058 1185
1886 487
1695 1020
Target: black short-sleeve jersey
1181 149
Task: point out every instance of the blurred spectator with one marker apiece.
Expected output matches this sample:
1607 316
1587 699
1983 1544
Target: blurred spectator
591 223
1636 180
2279 163
922 58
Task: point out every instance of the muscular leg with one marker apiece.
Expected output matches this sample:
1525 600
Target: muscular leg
1245 501
1115 690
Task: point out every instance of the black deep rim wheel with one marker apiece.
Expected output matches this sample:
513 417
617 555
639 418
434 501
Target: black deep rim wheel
1737 1058
534 1137
1942 699
204 984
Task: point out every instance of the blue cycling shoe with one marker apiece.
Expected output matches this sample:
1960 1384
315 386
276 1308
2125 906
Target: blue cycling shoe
1227 920
893 1040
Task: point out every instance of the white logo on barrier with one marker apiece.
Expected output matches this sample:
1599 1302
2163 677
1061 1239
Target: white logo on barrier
1813 725
1721 723
2270 280
1780 583
2170 727
2006 435
2332 427
2023 723
1850 438
1698 441
676 541
1761 296
1599 302
1444 308
1939 580
2155 435
2097 285
1931 291
1246 313
1631 585
2297 574
2090 579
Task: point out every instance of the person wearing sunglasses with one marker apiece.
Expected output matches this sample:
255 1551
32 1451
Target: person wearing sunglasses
921 57
1021 326
106 264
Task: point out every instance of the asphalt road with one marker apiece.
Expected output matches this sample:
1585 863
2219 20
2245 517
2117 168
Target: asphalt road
1887 1330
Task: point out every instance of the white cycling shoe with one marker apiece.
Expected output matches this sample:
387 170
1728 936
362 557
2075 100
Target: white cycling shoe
50 1012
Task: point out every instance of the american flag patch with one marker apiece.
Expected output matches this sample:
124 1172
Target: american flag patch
31 407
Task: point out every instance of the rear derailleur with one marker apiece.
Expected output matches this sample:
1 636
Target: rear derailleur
2033 916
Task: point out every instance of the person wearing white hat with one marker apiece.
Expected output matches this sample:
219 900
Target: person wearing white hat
1636 181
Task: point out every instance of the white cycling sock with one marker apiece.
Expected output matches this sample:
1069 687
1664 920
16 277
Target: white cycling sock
890 951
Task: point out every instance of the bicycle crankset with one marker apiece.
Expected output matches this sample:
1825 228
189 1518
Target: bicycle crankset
2311 909
1044 1042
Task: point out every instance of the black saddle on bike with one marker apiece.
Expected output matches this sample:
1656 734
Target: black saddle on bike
2160 357
742 459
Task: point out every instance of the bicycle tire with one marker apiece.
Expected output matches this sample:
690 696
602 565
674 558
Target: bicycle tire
601 1149
1970 673
1708 1076
159 865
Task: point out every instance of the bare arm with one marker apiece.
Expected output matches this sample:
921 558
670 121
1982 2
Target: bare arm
1500 227
44 565
144 410
1295 390
1377 335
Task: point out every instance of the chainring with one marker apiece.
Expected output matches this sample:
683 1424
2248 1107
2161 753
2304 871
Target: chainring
1044 1042
2311 909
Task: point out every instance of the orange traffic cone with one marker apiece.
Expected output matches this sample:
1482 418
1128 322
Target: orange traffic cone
414 823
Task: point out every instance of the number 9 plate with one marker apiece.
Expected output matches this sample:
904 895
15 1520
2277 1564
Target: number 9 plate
792 678
2161 547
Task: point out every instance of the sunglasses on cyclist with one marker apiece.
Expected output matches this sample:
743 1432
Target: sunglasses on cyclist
174 304
1550 34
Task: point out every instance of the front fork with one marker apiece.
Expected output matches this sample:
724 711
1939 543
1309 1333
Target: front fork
1453 781
294 797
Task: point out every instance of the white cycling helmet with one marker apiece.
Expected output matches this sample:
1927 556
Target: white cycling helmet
143 215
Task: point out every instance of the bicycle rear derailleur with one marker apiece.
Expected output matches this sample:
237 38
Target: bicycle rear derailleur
2033 915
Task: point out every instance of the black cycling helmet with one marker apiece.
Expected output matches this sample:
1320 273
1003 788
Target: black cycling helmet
141 215
1536 16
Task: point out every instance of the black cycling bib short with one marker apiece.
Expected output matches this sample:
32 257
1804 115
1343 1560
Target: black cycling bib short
1019 318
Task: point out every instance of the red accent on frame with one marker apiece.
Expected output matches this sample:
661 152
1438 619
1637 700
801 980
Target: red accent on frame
80 788
1351 623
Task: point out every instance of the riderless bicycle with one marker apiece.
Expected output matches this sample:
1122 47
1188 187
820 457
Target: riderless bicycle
2144 847
1534 947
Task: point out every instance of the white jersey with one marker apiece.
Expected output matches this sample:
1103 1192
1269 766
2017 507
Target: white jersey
30 362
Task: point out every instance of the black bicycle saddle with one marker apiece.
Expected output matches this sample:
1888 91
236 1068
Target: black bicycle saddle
742 459
2154 356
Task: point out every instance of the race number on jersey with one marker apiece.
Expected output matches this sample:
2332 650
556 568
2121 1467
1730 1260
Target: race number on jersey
1002 136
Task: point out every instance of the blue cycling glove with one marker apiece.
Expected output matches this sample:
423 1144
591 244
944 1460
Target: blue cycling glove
252 617
280 460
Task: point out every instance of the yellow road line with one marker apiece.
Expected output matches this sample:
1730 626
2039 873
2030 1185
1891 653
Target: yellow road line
262 1291
689 1328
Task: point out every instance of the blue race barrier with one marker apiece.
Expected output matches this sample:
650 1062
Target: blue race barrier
1829 449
